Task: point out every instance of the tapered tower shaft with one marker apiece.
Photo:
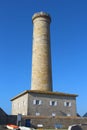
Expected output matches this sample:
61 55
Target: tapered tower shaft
41 56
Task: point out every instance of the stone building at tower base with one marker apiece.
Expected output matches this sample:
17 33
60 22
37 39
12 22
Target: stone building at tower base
37 103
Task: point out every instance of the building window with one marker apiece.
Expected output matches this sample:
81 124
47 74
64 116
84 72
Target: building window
37 102
53 114
67 104
53 103
37 114
68 114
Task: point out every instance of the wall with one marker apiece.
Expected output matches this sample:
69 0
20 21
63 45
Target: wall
48 122
63 121
20 105
46 109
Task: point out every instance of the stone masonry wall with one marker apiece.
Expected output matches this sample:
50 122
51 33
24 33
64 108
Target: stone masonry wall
45 109
61 121
41 57
20 105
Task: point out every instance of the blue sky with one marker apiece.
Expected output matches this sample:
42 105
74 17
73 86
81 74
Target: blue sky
68 47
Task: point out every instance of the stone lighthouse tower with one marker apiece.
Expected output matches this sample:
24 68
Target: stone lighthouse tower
36 102
41 55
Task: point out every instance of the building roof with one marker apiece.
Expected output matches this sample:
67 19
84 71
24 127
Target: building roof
43 92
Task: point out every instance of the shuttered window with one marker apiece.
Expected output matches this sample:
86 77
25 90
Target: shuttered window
53 103
37 102
67 104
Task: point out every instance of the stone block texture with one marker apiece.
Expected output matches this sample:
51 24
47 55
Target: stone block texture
37 103
65 122
41 101
20 105
41 55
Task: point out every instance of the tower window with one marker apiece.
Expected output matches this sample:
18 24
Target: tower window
68 114
67 104
37 114
53 103
37 102
53 114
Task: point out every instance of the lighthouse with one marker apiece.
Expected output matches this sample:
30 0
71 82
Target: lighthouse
41 101
41 53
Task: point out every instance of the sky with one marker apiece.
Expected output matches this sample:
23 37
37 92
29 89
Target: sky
68 31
